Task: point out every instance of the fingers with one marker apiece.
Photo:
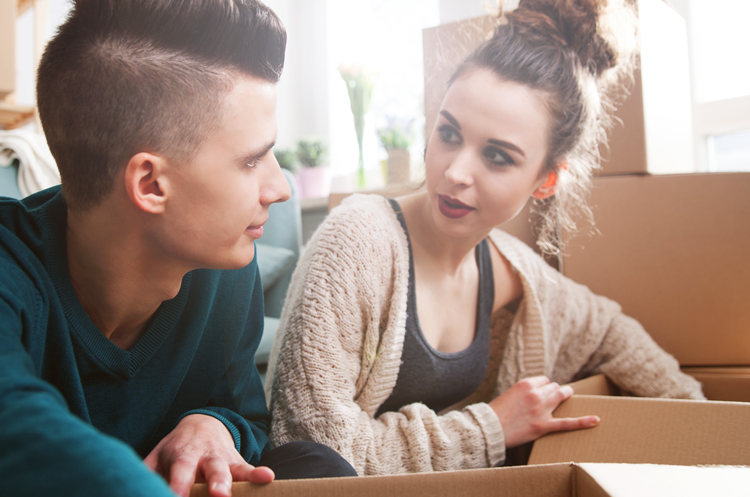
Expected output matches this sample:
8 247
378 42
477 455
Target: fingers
557 394
218 476
152 461
182 475
262 475
536 381
567 424
245 472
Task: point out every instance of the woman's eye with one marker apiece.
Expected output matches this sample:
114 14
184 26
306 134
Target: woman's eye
498 157
448 134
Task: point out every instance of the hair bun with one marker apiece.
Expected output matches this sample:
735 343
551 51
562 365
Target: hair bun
602 33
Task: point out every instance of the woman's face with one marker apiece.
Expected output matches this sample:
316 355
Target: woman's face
486 154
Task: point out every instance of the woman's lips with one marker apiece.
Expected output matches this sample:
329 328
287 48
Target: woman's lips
453 208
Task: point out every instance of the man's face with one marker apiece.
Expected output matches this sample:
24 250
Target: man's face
219 202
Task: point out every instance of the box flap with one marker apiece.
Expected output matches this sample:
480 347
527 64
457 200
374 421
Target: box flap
655 431
645 480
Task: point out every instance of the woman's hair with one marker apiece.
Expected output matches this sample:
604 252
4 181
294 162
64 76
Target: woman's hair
126 76
575 54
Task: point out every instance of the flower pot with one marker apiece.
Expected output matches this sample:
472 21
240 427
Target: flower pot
398 167
314 182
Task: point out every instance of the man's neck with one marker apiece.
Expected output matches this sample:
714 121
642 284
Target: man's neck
117 278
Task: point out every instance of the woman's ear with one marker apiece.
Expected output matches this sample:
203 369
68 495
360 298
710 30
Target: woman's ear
146 182
549 187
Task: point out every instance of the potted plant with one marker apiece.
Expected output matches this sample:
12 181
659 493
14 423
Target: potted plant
396 138
360 81
287 159
314 176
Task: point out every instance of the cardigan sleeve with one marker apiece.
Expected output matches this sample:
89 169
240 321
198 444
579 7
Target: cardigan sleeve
338 357
630 358
591 335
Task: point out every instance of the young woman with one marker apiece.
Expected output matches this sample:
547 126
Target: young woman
416 336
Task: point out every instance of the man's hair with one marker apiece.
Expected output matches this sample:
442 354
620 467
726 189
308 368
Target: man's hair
127 76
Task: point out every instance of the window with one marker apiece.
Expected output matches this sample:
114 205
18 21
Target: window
721 81
385 35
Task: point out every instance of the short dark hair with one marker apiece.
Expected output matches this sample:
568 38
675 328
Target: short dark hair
125 76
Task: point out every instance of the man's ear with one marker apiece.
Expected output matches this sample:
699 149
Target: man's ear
549 187
146 182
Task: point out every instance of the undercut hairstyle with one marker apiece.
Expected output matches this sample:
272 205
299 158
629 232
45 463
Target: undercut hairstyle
577 54
122 77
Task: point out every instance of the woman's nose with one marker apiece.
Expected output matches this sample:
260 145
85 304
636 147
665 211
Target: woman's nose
460 170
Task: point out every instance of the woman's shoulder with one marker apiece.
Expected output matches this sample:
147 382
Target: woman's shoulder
515 250
365 216
364 226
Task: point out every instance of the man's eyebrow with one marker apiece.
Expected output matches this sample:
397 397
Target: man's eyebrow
254 156
450 119
505 144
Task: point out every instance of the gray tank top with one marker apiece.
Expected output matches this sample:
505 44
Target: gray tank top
435 378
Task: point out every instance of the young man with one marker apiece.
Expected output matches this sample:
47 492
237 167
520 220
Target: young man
130 302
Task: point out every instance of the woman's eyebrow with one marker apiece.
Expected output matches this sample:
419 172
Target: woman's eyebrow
450 119
509 145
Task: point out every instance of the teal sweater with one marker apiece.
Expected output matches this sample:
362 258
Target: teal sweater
77 413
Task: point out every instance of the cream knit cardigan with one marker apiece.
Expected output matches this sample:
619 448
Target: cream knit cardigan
337 353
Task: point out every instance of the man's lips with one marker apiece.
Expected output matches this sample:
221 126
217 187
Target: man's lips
255 231
452 207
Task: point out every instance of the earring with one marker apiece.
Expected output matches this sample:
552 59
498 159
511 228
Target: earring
548 188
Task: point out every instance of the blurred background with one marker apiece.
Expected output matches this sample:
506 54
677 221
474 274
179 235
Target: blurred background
384 38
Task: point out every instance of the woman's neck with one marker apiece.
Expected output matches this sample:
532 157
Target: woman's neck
448 253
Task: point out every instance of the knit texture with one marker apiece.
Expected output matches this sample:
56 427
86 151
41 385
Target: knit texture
338 350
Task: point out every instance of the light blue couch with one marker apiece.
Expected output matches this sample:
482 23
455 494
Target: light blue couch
278 253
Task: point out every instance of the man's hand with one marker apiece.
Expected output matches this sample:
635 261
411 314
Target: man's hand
200 448
525 411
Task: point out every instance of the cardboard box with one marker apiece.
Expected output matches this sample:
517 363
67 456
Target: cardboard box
653 130
557 480
650 431
7 47
732 384
673 251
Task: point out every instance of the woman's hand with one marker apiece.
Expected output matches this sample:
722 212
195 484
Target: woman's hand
525 411
201 448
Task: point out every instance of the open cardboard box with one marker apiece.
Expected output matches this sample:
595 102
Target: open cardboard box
647 431
555 480
643 447
732 384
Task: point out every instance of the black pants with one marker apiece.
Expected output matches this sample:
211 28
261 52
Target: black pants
297 460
